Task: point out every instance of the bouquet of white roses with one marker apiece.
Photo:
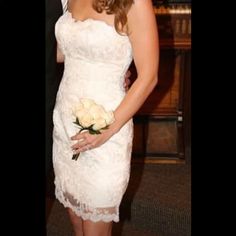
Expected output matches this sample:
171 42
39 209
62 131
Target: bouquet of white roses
91 117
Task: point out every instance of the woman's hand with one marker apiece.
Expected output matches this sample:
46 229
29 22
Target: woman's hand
87 141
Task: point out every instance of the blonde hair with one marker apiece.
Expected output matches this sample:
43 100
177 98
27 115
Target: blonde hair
119 8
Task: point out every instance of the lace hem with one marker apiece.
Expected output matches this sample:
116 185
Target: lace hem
89 213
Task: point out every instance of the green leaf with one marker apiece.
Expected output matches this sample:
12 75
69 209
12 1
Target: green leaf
75 156
91 131
91 126
77 122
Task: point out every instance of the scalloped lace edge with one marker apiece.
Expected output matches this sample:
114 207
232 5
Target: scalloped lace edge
88 216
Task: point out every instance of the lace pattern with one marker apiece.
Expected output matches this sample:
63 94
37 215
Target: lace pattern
96 60
86 212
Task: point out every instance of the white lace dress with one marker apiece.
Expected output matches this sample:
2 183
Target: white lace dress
96 60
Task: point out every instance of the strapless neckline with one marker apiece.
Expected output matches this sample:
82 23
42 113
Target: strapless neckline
88 20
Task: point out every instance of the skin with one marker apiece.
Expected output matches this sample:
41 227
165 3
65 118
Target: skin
143 36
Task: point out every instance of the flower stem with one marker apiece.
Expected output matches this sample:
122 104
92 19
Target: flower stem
75 156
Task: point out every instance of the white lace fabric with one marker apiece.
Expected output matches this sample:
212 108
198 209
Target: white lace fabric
96 60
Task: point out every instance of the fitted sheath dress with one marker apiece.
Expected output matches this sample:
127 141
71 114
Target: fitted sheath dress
96 61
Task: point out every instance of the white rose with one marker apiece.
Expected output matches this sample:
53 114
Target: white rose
78 107
99 123
87 103
96 111
109 117
86 120
81 113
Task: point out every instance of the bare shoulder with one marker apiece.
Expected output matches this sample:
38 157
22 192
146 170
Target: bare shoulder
143 35
141 15
141 9
142 3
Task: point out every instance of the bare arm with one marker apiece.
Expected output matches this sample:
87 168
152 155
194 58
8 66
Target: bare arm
145 44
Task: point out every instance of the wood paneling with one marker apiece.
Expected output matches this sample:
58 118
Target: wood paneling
163 123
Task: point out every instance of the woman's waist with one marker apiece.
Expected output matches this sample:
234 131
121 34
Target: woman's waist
93 81
107 96
96 84
89 69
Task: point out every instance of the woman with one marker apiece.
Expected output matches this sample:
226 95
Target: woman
97 39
